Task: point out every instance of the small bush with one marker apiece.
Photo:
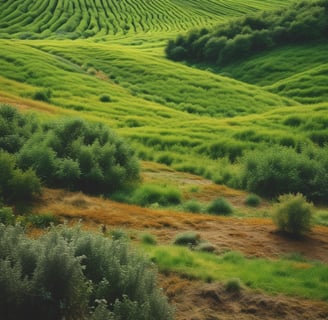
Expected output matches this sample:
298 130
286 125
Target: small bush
105 98
149 194
147 238
7 216
220 206
41 220
206 247
42 95
233 285
187 239
118 234
192 206
293 214
253 200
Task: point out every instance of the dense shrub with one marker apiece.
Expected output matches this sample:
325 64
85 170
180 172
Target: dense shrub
281 170
7 216
188 238
81 156
220 206
303 21
71 274
15 128
42 95
16 185
69 153
147 238
192 206
105 98
253 200
148 194
293 214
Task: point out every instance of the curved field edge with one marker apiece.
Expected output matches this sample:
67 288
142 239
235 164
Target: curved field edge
82 19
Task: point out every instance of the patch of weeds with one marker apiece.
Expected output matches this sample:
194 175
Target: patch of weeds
41 220
147 238
220 206
188 238
118 234
192 206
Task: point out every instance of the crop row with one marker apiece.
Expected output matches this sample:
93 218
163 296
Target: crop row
85 18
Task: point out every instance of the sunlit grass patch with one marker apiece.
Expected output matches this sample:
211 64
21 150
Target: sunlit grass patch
274 276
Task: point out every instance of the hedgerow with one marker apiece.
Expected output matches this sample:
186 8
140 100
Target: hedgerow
303 21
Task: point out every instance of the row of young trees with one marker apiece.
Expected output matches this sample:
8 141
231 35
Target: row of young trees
69 153
303 21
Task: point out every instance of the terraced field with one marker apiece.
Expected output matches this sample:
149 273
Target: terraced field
87 18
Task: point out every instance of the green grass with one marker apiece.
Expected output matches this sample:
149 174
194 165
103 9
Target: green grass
191 119
82 19
268 68
285 276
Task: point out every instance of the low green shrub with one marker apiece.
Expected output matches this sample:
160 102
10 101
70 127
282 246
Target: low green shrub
41 220
187 239
205 247
253 200
74 274
105 98
192 206
220 206
7 216
233 285
293 214
42 95
16 185
118 234
281 170
149 194
147 238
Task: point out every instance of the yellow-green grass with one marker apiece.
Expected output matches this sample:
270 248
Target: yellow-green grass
309 86
79 71
158 122
291 277
82 19
269 67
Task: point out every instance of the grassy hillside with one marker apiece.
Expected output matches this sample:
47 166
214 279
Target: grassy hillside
275 65
83 18
173 113
141 88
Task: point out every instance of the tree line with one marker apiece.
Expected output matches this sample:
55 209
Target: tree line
302 22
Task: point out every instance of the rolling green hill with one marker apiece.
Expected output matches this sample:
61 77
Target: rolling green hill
192 119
